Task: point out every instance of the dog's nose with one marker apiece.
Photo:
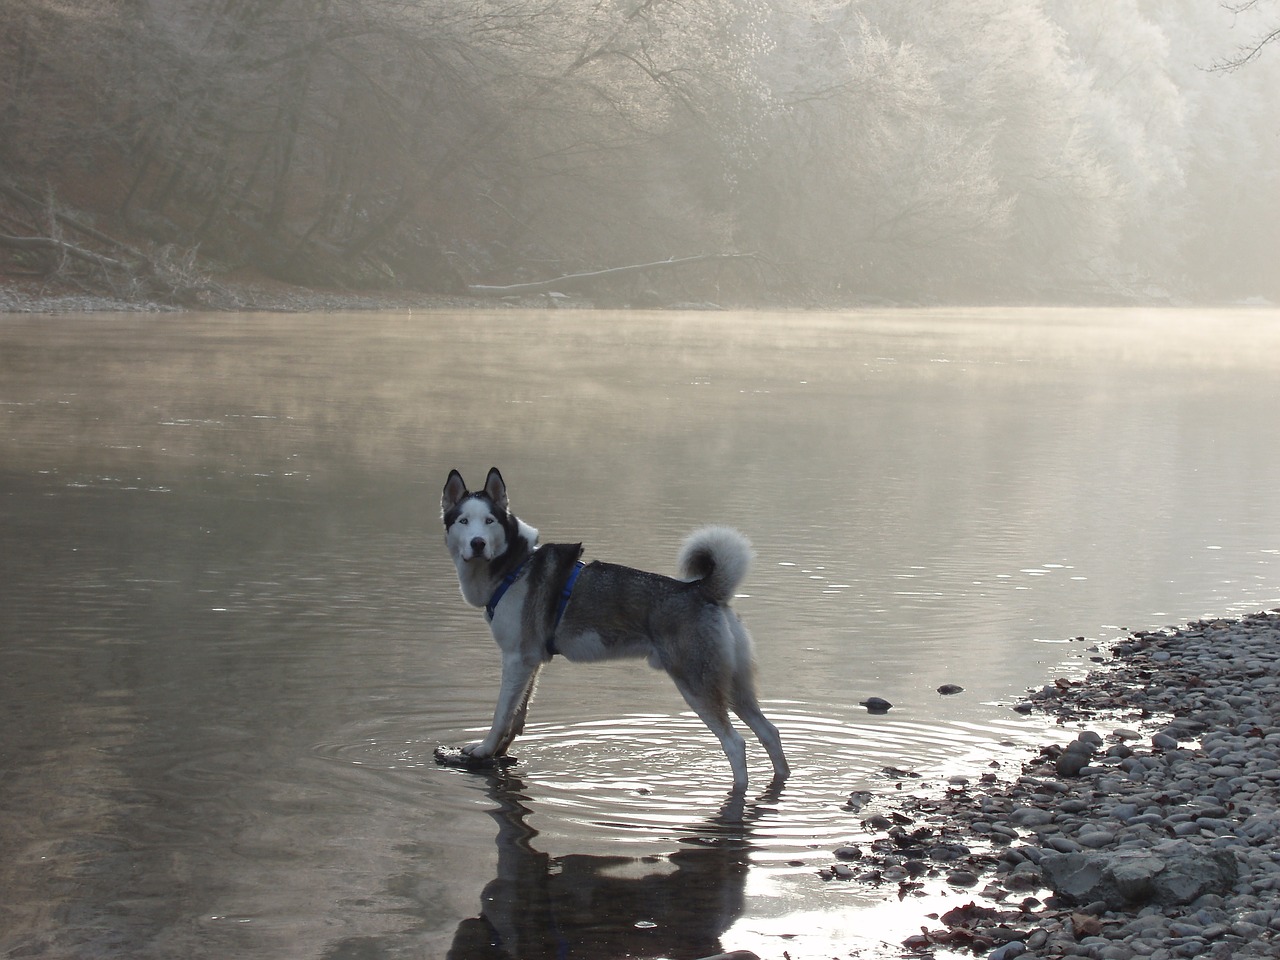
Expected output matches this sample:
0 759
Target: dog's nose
478 545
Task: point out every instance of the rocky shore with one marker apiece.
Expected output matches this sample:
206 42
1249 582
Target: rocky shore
1150 830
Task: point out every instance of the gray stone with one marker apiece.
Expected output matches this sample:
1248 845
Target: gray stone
1177 875
1062 844
1030 817
1095 838
1248 931
1070 763
1124 811
1014 948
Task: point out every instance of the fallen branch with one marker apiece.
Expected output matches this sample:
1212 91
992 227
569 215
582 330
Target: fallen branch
169 275
11 191
61 246
592 276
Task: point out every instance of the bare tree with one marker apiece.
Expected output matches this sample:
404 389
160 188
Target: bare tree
434 144
1250 51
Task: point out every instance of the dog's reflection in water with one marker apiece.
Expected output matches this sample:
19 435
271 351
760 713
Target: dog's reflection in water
602 907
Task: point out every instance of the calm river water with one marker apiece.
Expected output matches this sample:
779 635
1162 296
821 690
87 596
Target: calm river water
230 637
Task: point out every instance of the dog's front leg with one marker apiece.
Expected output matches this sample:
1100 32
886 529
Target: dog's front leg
518 677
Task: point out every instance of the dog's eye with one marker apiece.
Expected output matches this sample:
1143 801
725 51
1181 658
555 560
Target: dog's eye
463 521
488 520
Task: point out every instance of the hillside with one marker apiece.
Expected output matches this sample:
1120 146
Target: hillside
774 151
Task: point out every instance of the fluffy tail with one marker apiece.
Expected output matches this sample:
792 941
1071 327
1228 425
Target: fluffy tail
717 556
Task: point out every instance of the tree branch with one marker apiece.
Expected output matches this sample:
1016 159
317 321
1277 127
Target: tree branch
61 246
592 276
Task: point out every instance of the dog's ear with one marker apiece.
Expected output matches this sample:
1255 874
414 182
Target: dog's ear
455 488
495 489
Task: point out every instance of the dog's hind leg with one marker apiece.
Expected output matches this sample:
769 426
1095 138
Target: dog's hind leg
767 733
745 704
712 711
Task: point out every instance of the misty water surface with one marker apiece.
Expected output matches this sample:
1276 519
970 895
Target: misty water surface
230 637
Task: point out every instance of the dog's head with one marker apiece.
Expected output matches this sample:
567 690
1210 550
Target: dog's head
477 525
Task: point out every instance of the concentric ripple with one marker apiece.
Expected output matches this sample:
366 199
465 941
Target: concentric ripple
647 778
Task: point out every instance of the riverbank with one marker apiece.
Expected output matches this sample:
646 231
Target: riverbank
232 297
262 295
1151 829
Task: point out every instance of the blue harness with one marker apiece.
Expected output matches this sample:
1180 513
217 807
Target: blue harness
503 587
513 576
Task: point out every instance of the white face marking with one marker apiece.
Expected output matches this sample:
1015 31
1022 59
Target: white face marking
476 533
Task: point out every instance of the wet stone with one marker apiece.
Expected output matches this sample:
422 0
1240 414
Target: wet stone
1159 840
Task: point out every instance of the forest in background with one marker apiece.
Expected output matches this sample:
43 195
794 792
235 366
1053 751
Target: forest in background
783 150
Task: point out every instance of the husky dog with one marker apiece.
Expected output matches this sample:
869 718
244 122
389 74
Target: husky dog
541 600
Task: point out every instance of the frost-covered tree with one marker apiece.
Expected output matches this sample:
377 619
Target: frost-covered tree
1001 67
866 185
1132 114
1228 238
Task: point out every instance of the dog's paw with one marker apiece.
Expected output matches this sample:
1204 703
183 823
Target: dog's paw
455 757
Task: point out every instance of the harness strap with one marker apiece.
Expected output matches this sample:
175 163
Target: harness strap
505 585
568 589
513 576
564 602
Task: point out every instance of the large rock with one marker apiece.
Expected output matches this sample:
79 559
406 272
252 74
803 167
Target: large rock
1172 873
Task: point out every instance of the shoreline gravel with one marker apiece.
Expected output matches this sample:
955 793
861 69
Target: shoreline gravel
258 297
1152 830
263 295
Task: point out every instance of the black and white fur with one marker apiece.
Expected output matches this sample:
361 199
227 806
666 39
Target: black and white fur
684 626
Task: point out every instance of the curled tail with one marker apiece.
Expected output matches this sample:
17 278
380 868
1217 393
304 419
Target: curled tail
717 556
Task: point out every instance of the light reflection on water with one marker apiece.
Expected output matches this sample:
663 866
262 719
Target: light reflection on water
230 638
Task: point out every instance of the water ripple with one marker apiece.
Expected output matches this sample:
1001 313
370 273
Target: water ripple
649 778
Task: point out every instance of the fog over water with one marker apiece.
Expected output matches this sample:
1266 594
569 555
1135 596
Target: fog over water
230 637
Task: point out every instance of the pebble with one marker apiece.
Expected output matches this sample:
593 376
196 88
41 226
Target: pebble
1014 948
1176 742
12 302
